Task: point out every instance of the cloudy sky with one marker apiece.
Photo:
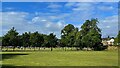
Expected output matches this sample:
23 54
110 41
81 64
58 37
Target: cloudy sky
47 17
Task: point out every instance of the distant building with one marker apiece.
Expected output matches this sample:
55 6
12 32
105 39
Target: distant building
108 41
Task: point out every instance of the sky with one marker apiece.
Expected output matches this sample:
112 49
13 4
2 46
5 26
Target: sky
51 17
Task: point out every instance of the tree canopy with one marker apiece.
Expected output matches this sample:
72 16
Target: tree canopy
88 37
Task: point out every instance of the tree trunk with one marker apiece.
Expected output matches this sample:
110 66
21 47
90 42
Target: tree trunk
24 48
39 48
7 48
65 48
87 48
77 48
81 48
51 48
71 48
1 47
13 48
34 48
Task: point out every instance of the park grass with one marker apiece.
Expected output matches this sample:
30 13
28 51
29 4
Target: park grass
61 58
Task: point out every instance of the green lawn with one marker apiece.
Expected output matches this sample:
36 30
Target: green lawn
61 58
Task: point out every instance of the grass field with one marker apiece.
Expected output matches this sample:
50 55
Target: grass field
61 58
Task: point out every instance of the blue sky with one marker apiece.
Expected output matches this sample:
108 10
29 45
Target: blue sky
47 17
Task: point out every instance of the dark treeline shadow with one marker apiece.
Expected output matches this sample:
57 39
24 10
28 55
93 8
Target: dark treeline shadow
11 55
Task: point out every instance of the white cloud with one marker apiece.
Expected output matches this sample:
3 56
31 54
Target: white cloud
55 26
109 26
53 22
43 20
80 11
106 8
54 6
79 6
70 4
9 8
83 7
13 18
20 22
16 19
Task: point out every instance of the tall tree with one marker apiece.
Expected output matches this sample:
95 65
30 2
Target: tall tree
72 37
78 40
91 35
52 40
5 41
26 40
36 40
67 35
39 40
118 36
11 38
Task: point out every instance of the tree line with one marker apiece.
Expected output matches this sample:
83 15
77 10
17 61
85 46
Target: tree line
88 37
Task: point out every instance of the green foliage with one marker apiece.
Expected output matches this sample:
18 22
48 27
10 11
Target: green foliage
88 37
11 38
91 35
68 35
52 40
25 39
117 39
36 39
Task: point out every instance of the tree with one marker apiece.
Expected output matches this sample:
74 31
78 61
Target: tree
52 40
20 43
11 38
5 41
67 35
26 39
91 35
39 40
36 40
78 39
45 37
72 37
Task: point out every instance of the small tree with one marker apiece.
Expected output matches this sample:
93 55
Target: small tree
52 40
36 40
25 40
5 41
39 40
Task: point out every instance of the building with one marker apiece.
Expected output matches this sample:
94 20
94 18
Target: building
108 41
